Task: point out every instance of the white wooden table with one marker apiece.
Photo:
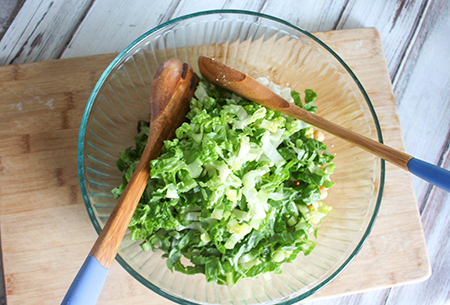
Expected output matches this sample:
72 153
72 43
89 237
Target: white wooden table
417 49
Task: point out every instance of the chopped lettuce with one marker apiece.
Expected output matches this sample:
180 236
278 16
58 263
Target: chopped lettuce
236 193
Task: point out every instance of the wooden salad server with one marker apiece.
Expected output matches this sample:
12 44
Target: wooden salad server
172 88
247 87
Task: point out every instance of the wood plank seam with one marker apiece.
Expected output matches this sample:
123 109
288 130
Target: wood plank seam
163 18
338 20
75 29
40 30
261 6
5 24
169 14
411 45
29 36
386 301
415 29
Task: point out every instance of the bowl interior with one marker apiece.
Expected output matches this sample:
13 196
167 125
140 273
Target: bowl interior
260 46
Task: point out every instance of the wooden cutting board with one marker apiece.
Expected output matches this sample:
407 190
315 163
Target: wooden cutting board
45 229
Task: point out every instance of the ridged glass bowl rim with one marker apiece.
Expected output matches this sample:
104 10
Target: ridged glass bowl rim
112 65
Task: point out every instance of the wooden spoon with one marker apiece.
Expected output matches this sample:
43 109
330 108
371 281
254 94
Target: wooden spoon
247 87
171 90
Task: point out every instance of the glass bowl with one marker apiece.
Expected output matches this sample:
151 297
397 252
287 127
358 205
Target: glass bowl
259 45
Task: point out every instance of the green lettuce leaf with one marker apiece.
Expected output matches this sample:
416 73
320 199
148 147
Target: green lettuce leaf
236 192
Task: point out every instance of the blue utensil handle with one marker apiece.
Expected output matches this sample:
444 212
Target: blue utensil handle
88 283
433 174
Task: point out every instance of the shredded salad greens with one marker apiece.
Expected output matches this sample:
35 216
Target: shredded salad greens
237 193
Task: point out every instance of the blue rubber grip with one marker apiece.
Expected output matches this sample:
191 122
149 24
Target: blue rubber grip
433 174
88 283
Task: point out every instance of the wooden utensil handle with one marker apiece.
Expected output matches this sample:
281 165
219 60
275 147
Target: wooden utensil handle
171 90
251 89
107 244
260 94
383 151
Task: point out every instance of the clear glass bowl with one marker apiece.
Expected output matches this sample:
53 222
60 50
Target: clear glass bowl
259 45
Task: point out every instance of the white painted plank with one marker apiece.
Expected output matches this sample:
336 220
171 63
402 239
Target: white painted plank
313 16
376 297
116 28
41 30
188 7
9 10
251 5
395 20
111 26
424 108
423 92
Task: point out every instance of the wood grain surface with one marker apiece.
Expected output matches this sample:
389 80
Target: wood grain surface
41 201
415 40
